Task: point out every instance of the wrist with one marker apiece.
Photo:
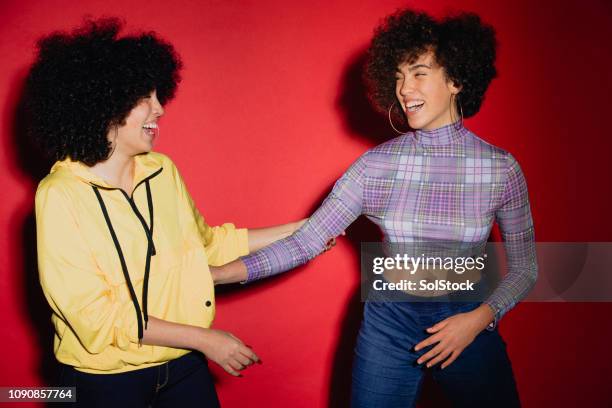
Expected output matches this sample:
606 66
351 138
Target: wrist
484 316
201 339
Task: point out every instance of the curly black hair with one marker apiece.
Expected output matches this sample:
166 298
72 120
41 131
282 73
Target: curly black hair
84 82
462 44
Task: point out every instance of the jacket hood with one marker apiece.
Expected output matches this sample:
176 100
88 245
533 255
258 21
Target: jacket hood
146 164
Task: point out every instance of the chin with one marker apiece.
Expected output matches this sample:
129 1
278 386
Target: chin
417 124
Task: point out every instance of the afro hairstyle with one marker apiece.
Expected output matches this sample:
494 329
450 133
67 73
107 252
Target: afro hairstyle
462 44
83 83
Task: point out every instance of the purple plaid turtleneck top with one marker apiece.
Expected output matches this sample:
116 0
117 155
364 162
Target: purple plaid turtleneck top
443 184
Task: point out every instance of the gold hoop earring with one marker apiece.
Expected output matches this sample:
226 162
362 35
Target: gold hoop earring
460 110
391 120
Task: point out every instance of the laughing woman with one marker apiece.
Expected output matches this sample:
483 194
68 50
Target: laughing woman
439 182
123 252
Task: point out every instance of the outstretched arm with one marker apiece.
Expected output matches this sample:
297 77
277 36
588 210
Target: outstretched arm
237 271
262 237
341 207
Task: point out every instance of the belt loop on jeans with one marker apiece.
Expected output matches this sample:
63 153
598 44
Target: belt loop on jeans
167 370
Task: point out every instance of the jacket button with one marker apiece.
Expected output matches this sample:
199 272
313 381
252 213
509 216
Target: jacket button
208 303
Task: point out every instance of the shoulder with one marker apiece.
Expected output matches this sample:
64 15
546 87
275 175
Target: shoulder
58 185
388 151
394 146
477 143
56 195
502 163
491 151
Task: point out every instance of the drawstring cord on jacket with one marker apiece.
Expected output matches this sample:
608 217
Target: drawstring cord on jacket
150 249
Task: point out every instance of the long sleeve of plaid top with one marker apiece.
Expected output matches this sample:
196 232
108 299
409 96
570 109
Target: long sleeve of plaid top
443 184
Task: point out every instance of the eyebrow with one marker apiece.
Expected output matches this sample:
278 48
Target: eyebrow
413 67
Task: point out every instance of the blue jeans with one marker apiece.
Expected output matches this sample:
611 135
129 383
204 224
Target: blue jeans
385 372
183 382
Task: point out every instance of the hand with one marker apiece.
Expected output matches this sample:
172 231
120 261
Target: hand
332 242
453 335
227 350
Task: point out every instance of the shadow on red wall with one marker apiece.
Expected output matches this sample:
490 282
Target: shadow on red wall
33 163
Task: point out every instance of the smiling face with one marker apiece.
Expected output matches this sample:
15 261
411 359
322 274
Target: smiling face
424 93
140 129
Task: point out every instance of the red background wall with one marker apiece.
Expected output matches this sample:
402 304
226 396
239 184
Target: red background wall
270 112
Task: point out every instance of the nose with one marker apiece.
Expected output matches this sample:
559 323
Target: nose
158 109
406 86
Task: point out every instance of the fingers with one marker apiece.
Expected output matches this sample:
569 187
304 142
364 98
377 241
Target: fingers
450 360
442 356
430 354
241 359
236 365
244 354
438 354
428 341
246 351
230 370
438 326
250 354
239 356
330 244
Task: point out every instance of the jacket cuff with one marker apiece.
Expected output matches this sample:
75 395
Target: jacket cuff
242 241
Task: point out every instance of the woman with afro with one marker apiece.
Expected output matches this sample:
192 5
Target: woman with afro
437 184
123 252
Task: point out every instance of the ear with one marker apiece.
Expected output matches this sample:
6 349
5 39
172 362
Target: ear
454 87
112 134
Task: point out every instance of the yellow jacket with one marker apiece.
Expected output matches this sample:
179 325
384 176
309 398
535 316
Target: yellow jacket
97 320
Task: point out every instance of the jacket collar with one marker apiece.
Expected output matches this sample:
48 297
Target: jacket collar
145 165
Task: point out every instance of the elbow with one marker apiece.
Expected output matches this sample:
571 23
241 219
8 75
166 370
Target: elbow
312 251
304 249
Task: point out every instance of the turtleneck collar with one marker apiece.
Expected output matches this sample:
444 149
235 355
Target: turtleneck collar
441 136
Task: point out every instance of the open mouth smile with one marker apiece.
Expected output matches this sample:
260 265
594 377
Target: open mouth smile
414 106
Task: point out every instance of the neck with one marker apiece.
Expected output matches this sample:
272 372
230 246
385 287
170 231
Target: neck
449 116
117 170
442 135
